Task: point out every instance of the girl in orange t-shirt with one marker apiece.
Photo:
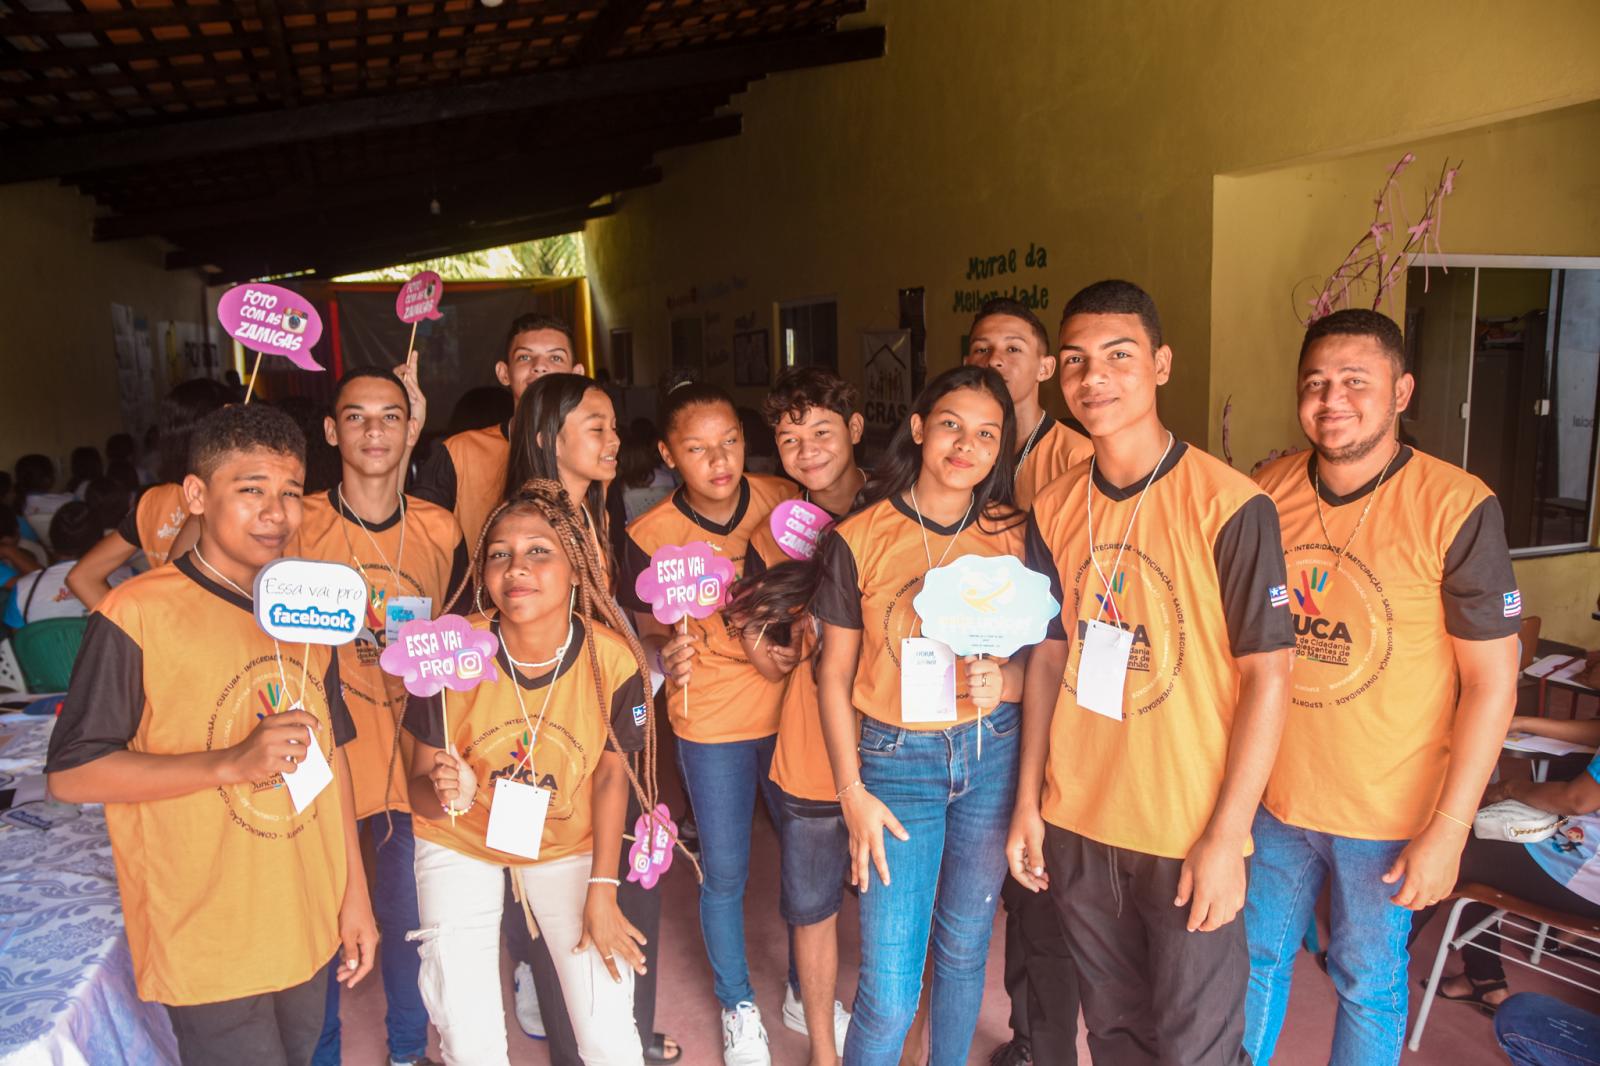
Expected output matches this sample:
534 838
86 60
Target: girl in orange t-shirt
925 762
560 634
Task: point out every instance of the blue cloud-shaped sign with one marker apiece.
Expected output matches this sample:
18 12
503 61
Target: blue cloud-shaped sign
986 605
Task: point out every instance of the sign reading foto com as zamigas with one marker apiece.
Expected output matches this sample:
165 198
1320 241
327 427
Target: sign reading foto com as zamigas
302 601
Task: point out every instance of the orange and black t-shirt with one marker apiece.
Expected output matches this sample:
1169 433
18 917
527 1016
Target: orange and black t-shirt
728 699
491 730
174 663
1200 584
1057 449
466 475
431 560
155 521
872 568
1372 703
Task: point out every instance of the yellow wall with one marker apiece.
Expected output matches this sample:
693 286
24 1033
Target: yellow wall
1076 126
58 374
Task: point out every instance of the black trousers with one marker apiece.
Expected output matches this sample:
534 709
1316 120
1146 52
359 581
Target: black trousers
640 906
1508 867
1153 992
273 1029
1040 976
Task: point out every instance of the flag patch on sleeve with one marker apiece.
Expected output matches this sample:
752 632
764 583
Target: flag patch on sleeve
639 715
1278 595
1513 601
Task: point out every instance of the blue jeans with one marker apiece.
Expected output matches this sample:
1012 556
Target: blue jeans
944 881
1536 1030
394 904
722 781
1367 954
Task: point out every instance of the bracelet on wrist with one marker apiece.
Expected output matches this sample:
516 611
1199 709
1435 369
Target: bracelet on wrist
840 794
612 881
1452 818
457 811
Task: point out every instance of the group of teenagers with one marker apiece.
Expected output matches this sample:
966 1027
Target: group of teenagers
1256 688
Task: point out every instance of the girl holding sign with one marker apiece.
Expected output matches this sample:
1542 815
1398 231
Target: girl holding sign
927 814
726 718
536 767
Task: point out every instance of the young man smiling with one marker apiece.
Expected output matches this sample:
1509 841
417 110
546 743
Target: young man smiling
1008 338
411 555
467 473
1151 711
1406 613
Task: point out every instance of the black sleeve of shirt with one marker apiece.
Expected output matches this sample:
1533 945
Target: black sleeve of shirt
838 597
1478 577
628 727
1041 560
344 726
436 481
105 699
128 528
1249 557
754 564
634 562
424 720
459 564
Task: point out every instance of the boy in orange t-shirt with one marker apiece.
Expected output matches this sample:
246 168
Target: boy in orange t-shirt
234 902
1405 614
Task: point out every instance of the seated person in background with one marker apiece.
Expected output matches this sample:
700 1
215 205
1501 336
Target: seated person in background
1537 1030
108 504
44 593
37 499
1559 873
14 560
84 466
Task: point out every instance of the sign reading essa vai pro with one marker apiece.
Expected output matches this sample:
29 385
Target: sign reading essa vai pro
305 602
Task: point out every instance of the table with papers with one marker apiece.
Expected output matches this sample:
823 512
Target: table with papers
67 995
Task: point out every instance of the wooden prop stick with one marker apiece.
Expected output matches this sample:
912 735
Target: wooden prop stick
444 712
683 627
411 345
253 372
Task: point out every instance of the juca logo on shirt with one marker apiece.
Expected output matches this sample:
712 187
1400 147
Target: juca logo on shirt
257 692
1343 627
1142 599
559 763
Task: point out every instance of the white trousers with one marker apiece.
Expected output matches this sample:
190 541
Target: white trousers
459 900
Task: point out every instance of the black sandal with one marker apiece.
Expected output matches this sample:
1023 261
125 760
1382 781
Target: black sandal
656 1053
1475 997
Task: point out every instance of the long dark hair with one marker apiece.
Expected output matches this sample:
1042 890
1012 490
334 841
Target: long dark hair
181 411
994 498
541 413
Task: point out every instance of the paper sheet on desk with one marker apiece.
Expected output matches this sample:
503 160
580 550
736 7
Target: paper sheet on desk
1545 745
1543 667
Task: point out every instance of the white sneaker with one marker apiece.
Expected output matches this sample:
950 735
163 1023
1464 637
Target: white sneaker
528 1014
744 1038
794 1017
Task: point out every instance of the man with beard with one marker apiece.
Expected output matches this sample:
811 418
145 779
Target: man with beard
1406 613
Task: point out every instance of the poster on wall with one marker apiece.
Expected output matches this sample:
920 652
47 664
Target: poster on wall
886 370
752 365
130 347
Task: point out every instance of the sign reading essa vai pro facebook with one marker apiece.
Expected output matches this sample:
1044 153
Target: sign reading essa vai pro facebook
304 602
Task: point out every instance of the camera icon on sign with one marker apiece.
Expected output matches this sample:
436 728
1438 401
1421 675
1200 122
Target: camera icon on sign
710 591
294 321
469 664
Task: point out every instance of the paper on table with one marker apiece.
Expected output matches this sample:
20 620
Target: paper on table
1542 667
1545 745
1570 671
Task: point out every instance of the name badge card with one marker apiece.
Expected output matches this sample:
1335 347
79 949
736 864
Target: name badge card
1103 668
398 610
301 601
516 818
927 681
311 774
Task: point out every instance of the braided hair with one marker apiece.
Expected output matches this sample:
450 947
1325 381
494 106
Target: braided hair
548 500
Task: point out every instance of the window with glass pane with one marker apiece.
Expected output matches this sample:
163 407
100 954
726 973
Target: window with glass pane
808 334
1507 360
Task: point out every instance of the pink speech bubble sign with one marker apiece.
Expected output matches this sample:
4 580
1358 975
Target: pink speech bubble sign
419 298
651 854
445 652
268 318
798 527
684 580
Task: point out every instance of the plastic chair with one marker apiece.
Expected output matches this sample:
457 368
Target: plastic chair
46 651
1516 917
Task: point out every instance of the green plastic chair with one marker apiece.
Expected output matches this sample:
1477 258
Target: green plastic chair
46 651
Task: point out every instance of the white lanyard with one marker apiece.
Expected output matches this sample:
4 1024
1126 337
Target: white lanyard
516 688
927 552
400 557
1116 615
277 650
1026 448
